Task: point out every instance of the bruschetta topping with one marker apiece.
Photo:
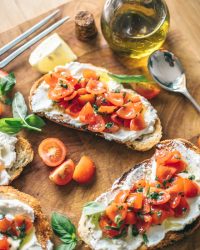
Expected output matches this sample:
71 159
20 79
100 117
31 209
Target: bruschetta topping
89 99
149 203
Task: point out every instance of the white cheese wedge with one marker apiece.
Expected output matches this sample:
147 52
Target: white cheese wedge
51 52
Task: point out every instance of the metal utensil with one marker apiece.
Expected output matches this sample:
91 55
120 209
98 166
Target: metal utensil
168 72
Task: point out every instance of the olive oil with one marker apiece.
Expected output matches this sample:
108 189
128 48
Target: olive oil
135 28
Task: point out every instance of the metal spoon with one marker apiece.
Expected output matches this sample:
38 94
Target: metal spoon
168 72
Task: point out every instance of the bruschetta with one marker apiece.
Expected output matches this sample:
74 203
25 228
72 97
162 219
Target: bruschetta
151 206
85 97
15 154
22 223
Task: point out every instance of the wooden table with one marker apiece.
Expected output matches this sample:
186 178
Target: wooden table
178 116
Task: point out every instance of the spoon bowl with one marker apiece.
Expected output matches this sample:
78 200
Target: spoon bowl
168 72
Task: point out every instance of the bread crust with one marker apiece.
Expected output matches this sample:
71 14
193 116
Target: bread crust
171 236
145 143
43 229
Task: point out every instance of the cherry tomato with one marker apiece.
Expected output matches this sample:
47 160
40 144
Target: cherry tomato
63 174
82 91
84 170
130 97
117 99
138 185
98 125
117 212
107 109
177 186
83 99
90 74
138 123
96 87
87 114
4 224
158 196
62 89
116 119
127 111
175 200
112 129
23 221
191 188
148 90
142 226
4 244
52 151
135 200
130 218
70 97
182 208
52 78
146 208
158 215
74 109
122 196
164 173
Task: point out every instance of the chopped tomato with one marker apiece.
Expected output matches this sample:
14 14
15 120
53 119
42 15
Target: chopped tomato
23 221
74 109
175 200
52 151
90 74
158 215
52 78
146 206
3 73
107 109
83 99
164 173
70 97
121 196
130 218
5 224
61 90
112 129
127 123
138 123
116 99
84 170
116 119
82 91
4 244
102 101
135 200
177 186
182 208
127 111
142 226
158 196
109 228
96 87
148 90
130 97
191 188
87 114
117 212
63 104
63 174
98 125
147 218
139 184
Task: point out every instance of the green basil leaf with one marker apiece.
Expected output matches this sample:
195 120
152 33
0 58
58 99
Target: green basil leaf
11 125
62 225
128 78
35 121
93 207
19 107
68 238
70 246
7 83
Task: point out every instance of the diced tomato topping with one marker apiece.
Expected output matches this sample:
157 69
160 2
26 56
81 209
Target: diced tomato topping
52 79
90 74
158 215
23 221
106 109
135 200
127 111
122 196
96 87
129 97
182 208
191 188
98 125
117 212
146 208
116 99
177 186
139 184
4 224
83 99
70 97
142 226
109 228
60 91
4 244
74 109
130 218
87 114
138 123
164 173
116 119
82 91
148 90
113 128
158 196
175 200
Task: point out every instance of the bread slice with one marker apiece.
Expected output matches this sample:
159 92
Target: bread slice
139 171
41 224
24 154
144 143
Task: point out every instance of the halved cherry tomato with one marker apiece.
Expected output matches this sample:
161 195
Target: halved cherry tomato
107 109
96 87
52 78
5 224
175 200
23 221
52 151
87 114
112 129
4 244
142 226
83 99
70 97
191 188
158 196
158 215
127 123
121 196
177 186
182 208
127 111
139 184
116 99
98 125
130 97
84 170
102 101
3 73
109 228
138 123
116 119
90 74
130 218
164 173
74 109
60 92
82 91
117 212
135 200
63 104
148 90
63 174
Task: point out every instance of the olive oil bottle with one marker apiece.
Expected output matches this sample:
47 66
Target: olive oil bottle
135 28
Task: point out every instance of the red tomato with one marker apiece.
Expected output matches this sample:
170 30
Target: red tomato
177 186
127 111
138 123
158 215
147 218
121 196
98 125
113 129
4 244
84 170
70 97
127 123
191 188
106 223
146 206
63 174
117 212
96 87
116 119
90 74
82 91
175 200
52 151
165 173
107 109
3 73
23 221
52 78
142 226
74 109
117 99
148 90
135 200
83 99
139 184
87 114
60 92
129 97
158 196
4 224
130 218
182 208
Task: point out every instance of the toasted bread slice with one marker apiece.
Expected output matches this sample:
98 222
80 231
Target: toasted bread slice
144 143
41 224
24 157
139 171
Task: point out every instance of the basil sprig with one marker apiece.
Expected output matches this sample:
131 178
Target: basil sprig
20 119
65 230
128 78
6 85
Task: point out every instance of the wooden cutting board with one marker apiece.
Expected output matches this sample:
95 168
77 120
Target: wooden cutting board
178 117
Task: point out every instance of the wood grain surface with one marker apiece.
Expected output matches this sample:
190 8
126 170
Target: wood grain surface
178 117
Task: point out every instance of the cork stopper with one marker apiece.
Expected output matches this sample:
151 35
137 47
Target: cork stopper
85 27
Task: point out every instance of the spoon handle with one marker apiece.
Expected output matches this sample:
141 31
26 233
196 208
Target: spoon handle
193 101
